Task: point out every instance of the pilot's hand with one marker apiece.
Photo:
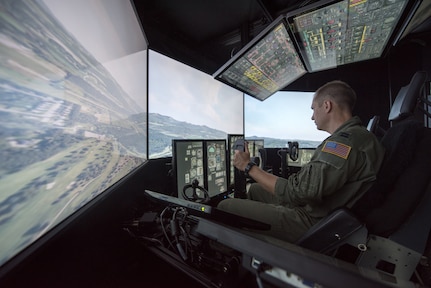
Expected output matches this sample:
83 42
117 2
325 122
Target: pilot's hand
241 158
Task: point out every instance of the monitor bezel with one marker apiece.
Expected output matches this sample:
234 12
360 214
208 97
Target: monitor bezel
243 51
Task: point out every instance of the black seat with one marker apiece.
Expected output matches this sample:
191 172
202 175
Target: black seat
374 127
408 97
401 144
404 105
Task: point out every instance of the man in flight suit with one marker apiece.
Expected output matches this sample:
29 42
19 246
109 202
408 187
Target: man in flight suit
342 169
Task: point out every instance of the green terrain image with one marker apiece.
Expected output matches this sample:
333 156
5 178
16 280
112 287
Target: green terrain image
68 129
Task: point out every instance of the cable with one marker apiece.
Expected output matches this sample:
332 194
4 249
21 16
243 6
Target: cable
163 227
174 232
262 267
258 280
150 239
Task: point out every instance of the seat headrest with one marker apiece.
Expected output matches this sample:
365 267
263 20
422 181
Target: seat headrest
373 124
407 98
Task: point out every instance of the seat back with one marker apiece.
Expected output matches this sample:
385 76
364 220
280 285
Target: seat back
373 124
407 98
404 105
401 181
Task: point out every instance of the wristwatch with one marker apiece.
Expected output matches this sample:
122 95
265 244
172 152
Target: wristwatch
248 167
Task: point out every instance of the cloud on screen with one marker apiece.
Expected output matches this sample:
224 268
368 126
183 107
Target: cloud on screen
189 95
284 115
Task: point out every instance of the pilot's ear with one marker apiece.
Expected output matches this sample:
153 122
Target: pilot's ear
327 104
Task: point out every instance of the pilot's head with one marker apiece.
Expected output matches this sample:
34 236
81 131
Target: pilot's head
332 105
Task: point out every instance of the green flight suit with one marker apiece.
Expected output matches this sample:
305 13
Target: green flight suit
342 169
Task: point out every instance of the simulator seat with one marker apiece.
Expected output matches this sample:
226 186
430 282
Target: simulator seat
404 105
391 223
407 98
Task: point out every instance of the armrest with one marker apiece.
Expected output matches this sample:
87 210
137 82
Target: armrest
333 231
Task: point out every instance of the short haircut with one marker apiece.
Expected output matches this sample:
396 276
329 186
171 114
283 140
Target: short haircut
338 91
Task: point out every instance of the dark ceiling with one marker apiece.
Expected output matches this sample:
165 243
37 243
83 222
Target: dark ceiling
204 34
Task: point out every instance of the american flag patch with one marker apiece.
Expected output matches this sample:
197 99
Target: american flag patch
338 149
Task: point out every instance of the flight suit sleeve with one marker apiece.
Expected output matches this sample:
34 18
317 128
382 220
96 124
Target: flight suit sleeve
323 175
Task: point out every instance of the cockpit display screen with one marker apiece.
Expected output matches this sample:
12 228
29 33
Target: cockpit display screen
265 65
344 32
201 160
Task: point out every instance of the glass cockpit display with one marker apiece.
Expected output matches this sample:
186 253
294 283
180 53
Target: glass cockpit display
264 66
345 31
217 167
188 163
201 160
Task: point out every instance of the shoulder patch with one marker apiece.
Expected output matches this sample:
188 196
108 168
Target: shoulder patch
336 148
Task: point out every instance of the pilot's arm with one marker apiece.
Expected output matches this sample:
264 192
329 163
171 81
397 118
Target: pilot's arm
265 179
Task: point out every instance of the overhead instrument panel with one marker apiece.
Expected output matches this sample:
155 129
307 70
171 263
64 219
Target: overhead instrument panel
342 32
265 65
